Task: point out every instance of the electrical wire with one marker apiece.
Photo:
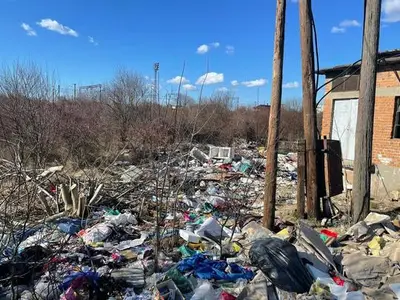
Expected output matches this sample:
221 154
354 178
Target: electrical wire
315 62
316 51
345 72
339 75
334 87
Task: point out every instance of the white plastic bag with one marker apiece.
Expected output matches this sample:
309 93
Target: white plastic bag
97 233
212 227
204 291
121 219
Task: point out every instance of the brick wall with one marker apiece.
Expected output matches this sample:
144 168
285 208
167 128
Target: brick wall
327 113
385 149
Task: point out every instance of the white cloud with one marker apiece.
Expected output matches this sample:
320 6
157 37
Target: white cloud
391 11
254 83
336 29
178 80
229 49
291 85
235 82
92 41
210 78
345 24
223 89
203 49
53 25
189 87
28 29
349 23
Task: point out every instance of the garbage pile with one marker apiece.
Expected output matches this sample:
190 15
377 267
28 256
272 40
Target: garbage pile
188 226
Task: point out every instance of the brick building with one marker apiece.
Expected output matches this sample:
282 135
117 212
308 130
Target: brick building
340 117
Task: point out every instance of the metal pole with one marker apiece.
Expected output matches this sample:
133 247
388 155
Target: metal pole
274 118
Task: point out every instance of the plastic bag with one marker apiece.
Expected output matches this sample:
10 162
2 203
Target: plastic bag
204 291
97 233
121 219
183 284
69 226
279 261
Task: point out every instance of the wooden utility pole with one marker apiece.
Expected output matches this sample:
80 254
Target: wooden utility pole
274 117
365 114
301 176
309 109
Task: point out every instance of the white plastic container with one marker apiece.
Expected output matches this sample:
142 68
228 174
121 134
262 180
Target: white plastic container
189 236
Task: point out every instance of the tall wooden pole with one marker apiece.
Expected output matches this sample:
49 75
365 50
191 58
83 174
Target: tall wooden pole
301 176
309 109
274 117
365 115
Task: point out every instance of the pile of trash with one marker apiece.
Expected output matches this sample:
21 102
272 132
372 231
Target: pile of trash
189 227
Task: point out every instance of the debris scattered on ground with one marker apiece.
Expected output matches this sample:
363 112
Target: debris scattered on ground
188 227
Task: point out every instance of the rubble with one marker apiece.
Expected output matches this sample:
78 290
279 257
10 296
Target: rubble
188 227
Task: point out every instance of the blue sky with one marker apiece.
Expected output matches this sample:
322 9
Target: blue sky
85 42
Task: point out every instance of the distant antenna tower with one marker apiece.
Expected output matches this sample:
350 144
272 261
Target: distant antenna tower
156 98
258 96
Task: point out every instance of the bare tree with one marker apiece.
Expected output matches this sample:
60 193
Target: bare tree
28 119
123 95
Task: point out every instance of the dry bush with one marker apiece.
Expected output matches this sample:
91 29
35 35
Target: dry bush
291 121
87 132
27 120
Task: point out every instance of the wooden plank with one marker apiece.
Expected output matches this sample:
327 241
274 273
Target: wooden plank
301 177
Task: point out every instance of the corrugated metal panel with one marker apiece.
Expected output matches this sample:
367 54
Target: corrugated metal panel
344 124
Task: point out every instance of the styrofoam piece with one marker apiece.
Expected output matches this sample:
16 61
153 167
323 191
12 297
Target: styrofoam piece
189 236
220 152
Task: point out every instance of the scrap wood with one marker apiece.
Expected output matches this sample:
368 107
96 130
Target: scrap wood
52 218
95 198
41 189
50 171
221 176
43 200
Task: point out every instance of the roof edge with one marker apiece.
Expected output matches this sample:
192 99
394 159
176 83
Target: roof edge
383 54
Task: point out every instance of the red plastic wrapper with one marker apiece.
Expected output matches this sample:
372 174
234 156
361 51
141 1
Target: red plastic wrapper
226 296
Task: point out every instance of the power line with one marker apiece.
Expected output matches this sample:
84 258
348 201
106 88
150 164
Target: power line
344 72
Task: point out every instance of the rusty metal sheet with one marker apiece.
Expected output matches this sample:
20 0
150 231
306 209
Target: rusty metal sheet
330 177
